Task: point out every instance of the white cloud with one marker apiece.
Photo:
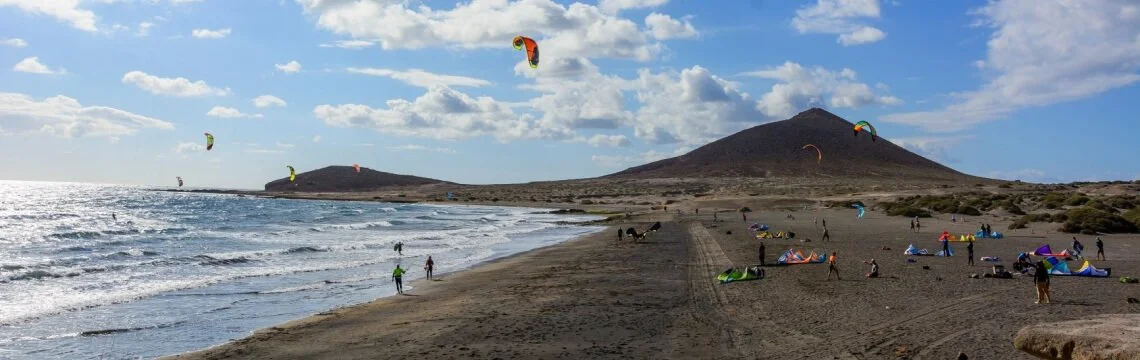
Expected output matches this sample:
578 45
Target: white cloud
614 6
65 117
144 28
263 151
350 44
1042 53
420 78
316 138
440 113
693 106
188 147
600 140
210 34
664 27
366 145
62 10
414 147
840 17
576 96
32 65
119 27
267 101
574 30
291 67
14 42
285 146
801 88
614 161
229 112
937 148
180 87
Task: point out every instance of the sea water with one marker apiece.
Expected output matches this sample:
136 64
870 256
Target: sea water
179 271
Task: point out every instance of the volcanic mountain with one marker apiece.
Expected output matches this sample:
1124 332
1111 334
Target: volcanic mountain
345 178
777 150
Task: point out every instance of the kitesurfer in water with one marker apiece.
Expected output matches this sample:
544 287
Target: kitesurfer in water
114 218
397 276
429 266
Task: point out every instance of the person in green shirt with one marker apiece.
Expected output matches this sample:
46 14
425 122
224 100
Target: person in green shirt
397 276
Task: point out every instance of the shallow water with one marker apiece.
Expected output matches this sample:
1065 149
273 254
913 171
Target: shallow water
180 271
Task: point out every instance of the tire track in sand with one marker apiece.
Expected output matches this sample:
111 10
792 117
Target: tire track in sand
880 337
707 299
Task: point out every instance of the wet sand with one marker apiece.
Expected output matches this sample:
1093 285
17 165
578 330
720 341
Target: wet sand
595 297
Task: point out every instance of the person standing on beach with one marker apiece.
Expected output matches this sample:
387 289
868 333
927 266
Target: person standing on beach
912 226
917 225
619 234
1077 247
761 253
826 235
1041 279
1100 249
946 246
825 224
398 278
831 267
969 252
429 266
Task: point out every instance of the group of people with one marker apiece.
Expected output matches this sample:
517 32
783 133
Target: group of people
398 272
915 225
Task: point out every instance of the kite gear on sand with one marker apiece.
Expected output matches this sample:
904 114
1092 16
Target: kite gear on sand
730 275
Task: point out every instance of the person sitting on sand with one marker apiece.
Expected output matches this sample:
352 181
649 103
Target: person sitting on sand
874 269
429 266
1041 279
831 267
398 278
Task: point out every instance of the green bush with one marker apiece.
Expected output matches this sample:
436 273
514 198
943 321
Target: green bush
1100 205
908 211
944 206
968 210
1019 224
1076 200
1012 208
1005 186
1133 216
1086 220
1121 202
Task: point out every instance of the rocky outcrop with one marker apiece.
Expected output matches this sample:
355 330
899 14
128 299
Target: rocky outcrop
1102 337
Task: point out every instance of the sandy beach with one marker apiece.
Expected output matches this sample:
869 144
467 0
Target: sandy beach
596 297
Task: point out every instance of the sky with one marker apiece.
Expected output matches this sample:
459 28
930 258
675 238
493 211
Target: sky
122 91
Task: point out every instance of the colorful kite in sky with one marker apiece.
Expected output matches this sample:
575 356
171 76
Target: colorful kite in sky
860 207
819 154
862 126
292 173
531 49
357 167
209 141
179 181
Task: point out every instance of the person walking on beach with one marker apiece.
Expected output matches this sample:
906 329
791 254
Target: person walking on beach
1100 249
1041 279
912 226
744 216
969 252
917 225
429 266
826 235
1077 247
761 253
398 278
619 234
946 247
831 267
824 223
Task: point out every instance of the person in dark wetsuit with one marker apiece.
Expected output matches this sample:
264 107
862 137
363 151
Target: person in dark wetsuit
946 247
429 266
826 235
1077 247
970 253
761 253
1100 249
619 234
912 226
1041 280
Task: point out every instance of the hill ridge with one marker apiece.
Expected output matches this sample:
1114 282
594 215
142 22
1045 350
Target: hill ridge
345 178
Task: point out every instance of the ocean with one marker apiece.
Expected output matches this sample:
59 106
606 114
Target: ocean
178 271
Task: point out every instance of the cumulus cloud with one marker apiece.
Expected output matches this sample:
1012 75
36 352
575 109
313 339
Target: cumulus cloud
842 17
693 106
188 147
601 140
179 87
316 138
664 27
210 34
420 78
577 29
267 100
440 113
229 113
32 65
801 87
614 6
14 42
414 147
67 11
285 145
263 151
617 161
578 96
290 67
65 117
144 28
936 148
1043 53
350 44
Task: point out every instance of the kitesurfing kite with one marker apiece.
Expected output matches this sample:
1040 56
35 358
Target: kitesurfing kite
860 207
531 49
209 141
292 173
863 126
819 154
356 166
179 181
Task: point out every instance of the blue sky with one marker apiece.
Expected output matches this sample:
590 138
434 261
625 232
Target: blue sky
121 91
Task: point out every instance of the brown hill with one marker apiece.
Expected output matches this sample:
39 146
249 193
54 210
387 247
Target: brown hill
345 178
776 150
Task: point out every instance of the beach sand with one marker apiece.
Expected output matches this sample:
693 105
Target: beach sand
595 297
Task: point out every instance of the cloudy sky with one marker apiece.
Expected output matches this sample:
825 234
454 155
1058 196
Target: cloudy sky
121 91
